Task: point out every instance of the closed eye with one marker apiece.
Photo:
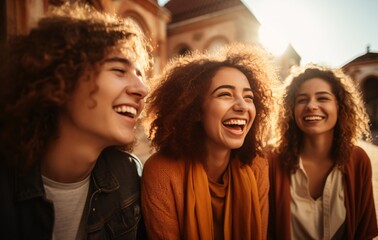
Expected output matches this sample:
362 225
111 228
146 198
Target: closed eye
301 100
224 94
323 99
249 97
119 70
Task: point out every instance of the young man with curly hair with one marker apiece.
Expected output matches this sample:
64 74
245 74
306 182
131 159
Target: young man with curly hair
71 94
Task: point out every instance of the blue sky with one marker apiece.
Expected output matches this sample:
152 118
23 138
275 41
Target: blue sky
331 32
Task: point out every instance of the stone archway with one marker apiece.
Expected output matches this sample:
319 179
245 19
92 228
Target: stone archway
181 49
370 94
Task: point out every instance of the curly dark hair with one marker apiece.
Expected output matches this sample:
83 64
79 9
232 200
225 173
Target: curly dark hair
352 123
42 70
175 106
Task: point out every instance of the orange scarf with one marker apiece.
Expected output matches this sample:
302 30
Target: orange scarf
242 206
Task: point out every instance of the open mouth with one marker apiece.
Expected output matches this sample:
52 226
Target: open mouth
236 124
313 118
125 110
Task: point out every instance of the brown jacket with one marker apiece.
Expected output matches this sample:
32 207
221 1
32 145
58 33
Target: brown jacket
361 221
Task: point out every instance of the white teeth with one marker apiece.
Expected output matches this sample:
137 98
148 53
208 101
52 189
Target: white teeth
125 109
313 118
235 122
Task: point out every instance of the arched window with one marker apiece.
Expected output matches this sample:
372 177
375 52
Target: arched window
181 50
369 88
137 23
184 51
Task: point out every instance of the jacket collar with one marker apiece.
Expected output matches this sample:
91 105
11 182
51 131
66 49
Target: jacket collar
103 177
30 184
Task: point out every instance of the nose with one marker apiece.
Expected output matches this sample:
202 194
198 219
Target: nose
312 105
240 105
137 88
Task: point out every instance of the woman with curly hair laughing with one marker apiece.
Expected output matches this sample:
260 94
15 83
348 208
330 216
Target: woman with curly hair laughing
208 178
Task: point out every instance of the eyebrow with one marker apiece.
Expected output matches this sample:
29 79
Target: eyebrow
230 87
317 93
118 59
123 61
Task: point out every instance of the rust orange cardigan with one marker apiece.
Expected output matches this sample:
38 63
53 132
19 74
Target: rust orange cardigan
361 221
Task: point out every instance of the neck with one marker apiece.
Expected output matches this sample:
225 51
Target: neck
216 163
71 156
318 147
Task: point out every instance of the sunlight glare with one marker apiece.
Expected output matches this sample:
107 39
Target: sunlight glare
273 39
282 24
273 33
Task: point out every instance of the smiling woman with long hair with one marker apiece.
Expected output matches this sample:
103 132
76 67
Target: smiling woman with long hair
321 182
208 178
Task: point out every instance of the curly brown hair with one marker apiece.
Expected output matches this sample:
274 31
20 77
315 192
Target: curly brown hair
352 123
42 70
175 106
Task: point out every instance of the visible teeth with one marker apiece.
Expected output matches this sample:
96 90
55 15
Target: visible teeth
125 109
235 122
313 118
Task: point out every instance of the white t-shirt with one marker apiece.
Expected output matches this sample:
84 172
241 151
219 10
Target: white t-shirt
68 200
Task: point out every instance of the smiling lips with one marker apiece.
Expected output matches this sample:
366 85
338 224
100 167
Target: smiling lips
235 124
313 118
126 110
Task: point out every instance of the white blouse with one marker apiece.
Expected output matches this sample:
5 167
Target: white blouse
322 218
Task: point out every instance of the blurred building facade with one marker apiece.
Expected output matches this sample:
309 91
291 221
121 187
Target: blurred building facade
22 15
174 29
208 24
364 70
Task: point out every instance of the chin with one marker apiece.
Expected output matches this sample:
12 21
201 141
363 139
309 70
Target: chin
235 146
129 142
125 141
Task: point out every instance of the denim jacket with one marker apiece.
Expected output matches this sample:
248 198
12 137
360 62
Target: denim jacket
112 207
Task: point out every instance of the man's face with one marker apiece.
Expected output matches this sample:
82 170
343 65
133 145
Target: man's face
104 110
